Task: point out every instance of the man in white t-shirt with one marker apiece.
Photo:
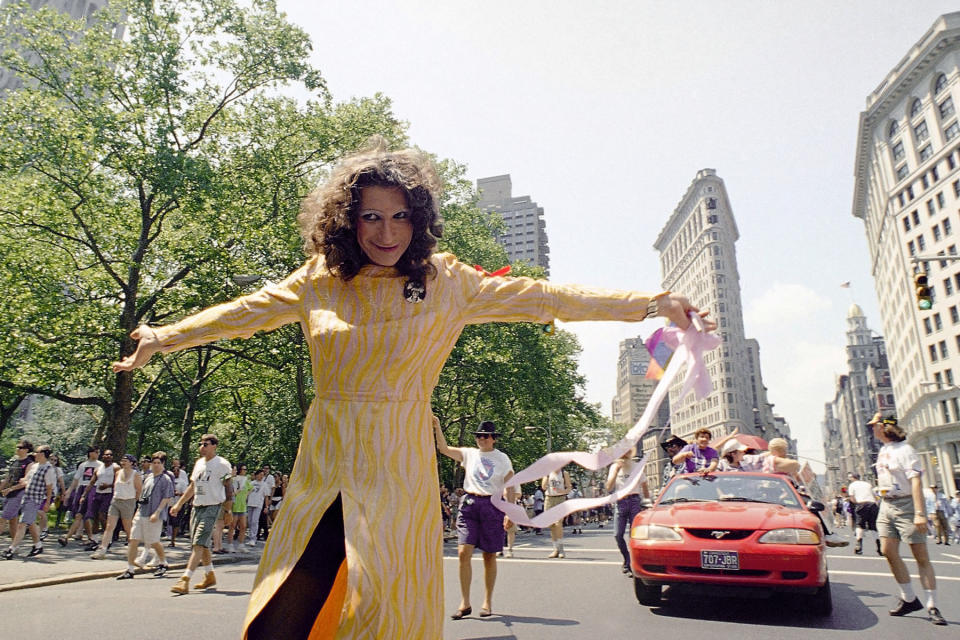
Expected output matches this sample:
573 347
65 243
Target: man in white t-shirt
75 496
256 498
479 523
865 509
210 487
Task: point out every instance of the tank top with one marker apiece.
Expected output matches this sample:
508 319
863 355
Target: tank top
124 490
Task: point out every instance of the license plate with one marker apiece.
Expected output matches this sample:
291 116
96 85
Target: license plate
719 560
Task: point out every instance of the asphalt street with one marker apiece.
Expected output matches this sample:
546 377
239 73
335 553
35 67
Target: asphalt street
581 596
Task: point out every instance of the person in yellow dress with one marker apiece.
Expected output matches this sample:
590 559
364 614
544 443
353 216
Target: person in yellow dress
357 550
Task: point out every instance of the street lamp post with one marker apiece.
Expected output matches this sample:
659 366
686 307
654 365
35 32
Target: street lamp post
549 434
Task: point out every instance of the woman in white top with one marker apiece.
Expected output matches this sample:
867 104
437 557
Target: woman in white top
126 487
629 505
479 523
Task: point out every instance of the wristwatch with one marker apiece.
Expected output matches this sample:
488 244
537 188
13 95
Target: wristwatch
652 308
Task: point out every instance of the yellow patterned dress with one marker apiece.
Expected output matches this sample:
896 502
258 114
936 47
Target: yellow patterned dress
367 447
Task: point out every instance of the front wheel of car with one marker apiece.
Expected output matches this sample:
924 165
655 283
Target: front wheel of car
821 602
647 595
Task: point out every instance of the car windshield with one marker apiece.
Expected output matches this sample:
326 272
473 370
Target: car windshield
730 488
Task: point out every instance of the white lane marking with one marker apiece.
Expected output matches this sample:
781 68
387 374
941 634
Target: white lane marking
906 558
885 574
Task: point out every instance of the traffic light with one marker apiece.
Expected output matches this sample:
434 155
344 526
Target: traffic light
924 300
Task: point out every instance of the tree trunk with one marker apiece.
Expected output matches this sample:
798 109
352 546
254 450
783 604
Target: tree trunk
7 411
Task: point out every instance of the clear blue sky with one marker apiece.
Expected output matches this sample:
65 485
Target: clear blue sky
603 112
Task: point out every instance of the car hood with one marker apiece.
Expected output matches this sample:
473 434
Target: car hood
737 515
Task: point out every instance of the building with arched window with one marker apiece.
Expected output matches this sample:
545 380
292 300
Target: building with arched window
907 192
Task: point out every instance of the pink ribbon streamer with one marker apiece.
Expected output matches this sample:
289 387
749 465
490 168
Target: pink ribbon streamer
689 346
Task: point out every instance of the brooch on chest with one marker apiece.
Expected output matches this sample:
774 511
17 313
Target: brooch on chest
414 291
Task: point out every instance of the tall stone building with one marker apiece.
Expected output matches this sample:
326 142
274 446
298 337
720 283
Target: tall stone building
865 389
698 257
525 238
907 192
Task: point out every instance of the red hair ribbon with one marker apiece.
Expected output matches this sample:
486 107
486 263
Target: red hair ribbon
502 271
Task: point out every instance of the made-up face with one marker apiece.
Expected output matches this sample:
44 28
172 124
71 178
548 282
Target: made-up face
384 227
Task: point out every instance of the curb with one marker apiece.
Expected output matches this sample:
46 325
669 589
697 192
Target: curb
100 575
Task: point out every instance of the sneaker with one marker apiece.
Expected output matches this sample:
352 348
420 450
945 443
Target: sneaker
209 580
8 554
625 569
251 543
92 546
508 553
62 541
555 554
126 575
903 607
879 553
44 534
182 587
161 571
37 550
935 616
99 554
858 549
833 540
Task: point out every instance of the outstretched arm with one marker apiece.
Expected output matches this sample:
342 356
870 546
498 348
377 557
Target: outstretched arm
442 447
263 310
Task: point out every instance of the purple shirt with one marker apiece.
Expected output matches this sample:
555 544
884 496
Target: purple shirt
701 457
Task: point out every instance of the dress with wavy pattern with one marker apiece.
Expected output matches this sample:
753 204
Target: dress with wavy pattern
367 460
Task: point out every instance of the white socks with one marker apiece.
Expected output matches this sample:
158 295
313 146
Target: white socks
906 592
931 598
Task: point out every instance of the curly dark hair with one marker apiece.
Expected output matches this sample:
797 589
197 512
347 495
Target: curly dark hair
328 217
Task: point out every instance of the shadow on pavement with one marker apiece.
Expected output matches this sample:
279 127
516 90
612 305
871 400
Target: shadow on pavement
781 610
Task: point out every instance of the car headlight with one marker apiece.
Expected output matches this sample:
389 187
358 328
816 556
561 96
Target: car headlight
654 532
790 536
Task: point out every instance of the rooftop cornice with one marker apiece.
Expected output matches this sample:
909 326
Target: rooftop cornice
944 34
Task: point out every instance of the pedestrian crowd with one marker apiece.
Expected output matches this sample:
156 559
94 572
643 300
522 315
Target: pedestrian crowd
219 506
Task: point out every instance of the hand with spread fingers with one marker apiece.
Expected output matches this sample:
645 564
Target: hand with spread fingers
146 347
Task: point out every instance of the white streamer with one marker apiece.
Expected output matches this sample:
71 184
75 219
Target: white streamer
689 346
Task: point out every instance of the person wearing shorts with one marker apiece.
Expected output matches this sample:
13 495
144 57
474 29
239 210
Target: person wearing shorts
556 486
37 488
155 495
209 488
479 524
126 487
902 517
16 471
75 496
99 495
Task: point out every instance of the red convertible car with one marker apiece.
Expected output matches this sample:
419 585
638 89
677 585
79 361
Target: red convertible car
731 531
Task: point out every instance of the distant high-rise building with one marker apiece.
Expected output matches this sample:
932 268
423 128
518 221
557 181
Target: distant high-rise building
77 9
698 257
862 391
907 192
525 238
633 394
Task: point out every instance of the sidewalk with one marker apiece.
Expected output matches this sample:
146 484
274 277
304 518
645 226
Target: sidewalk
57 565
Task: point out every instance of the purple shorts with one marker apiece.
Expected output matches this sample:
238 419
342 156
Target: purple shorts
480 524
74 505
11 508
29 511
98 503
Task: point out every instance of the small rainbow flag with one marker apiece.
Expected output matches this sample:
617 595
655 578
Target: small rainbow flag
660 355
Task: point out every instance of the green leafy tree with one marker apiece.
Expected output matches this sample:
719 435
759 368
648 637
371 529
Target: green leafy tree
140 175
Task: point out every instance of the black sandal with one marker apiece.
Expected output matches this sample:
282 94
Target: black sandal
461 613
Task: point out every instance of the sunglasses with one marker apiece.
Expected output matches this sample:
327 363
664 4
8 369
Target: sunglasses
19 447
204 443
483 436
